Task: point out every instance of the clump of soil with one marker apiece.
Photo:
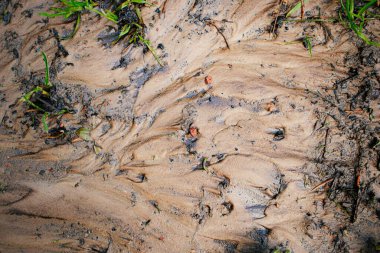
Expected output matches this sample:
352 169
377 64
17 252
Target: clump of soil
127 16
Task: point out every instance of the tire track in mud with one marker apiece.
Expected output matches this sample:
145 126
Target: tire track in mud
241 184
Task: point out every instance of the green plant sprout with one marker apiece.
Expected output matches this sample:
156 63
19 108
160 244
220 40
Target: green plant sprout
26 98
43 90
308 45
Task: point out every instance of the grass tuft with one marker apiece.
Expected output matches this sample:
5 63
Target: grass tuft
47 75
129 28
353 14
38 99
355 17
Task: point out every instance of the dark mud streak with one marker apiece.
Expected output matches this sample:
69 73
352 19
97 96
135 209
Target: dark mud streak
325 144
19 212
34 153
28 194
355 186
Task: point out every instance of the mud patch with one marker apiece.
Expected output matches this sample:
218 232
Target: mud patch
241 143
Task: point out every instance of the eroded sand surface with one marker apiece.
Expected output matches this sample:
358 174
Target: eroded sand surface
146 190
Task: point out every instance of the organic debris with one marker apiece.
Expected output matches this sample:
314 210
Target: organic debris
154 203
322 184
278 133
228 207
84 134
203 165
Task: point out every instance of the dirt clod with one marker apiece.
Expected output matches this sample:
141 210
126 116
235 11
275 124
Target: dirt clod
208 79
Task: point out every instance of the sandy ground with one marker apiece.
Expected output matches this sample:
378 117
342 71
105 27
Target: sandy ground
273 125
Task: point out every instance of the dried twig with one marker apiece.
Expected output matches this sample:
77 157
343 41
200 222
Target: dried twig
220 32
275 21
322 184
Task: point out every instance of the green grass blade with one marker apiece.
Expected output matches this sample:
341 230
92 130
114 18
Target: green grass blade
26 98
125 30
308 44
128 3
123 5
44 122
32 104
29 95
138 13
47 76
151 49
76 28
295 8
52 15
109 14
139 1
61 112
366 6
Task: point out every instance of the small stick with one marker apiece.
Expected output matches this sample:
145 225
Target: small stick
164 7
302 9
275 23
31 110
322 184
76 140
211 23
358 181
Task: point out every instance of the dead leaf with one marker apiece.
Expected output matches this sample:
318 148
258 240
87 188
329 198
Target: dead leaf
84 134
97 149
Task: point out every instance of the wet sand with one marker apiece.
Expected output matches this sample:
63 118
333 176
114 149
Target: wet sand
273 124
